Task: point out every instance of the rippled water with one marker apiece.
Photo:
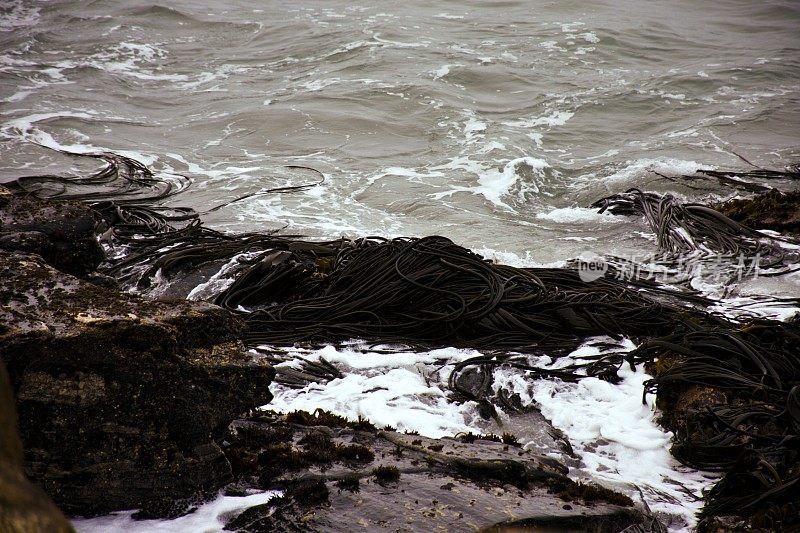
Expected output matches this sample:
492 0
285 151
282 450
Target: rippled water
470 119
492 123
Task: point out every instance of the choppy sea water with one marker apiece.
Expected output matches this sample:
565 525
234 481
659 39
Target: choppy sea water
492 123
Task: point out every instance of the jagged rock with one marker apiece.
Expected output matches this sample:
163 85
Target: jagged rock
61 232
337 476
24 508
120 398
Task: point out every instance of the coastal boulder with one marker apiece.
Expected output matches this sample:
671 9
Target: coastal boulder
120 399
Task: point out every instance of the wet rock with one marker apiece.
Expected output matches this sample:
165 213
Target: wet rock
410 483
121 399
24 508
62 232
772 210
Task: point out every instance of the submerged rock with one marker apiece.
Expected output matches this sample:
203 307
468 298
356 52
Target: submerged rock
119 398
338 475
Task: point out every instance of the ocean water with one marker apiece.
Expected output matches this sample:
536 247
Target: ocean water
492 123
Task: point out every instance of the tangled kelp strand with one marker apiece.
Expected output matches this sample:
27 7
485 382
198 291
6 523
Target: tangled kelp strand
122 179
681 228
305 372
433 292
753 437
275 190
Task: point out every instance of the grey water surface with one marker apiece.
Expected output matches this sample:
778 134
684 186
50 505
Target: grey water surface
477 120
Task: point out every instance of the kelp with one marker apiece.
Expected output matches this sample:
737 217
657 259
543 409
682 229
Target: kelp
751 434
696 241
682 228
753 437
431 292
121 179
124 195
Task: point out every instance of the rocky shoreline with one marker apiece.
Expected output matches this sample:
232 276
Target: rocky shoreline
119 398
130 403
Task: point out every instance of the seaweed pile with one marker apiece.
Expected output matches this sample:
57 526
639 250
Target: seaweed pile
431 292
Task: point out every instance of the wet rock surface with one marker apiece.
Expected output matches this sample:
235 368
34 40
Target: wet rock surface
126 403
344 476
119 398
62 232
773 210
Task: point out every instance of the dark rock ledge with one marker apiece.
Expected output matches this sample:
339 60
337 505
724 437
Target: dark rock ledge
120 399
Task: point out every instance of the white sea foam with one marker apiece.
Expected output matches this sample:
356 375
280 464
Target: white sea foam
473 126
396 44
590 37
320 210
578 215
613 432
126 59
442 71
551 45
318 85
220 281
494 184
23 128
208 518
616 435
555 118
516 260
396 389
638 168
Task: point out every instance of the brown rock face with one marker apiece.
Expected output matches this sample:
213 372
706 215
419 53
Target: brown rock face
24 508
773 210
120 398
